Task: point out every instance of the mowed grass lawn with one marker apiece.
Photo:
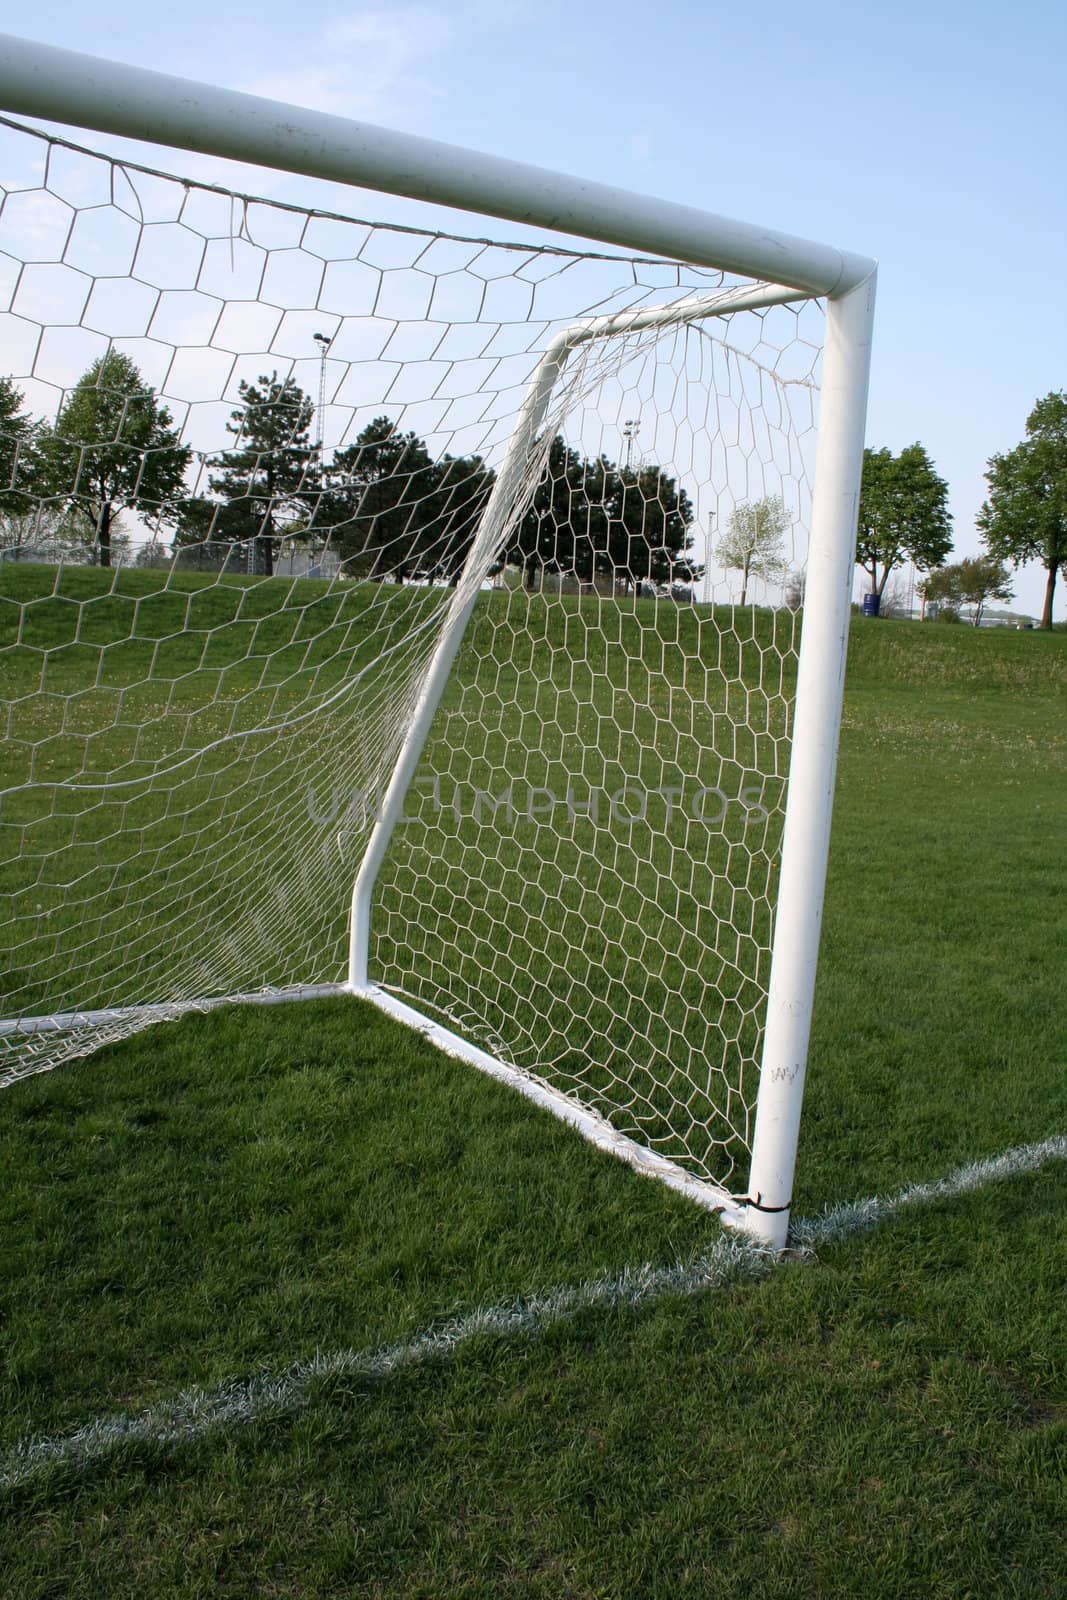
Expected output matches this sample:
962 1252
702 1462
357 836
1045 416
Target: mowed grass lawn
230 1194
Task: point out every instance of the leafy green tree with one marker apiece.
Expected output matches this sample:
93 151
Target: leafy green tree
1025 517
973 581
565 528
19 463
450 516
939 591
752 543
269 479
649 518
981 579
112 449
903 514
377 501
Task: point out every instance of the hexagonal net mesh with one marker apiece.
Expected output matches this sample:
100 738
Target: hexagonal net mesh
256 461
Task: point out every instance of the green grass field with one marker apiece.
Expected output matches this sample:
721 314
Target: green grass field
224 1197
180 747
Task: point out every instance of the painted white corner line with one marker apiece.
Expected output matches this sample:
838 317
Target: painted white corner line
196 1413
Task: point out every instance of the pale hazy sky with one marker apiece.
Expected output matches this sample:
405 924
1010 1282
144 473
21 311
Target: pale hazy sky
930 136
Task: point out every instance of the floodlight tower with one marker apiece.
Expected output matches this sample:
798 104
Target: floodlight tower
630 429
324 341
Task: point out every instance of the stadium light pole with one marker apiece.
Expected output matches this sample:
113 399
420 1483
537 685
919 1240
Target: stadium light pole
629 432
709 545
324 341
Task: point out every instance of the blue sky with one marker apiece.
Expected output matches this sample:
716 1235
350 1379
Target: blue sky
928 135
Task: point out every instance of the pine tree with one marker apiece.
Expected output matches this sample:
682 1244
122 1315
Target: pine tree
378 501
565 529
649 518
451 516
271 476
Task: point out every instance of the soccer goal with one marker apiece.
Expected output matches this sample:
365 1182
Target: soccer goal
388 610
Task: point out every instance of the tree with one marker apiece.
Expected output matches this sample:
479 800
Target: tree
377 501
215 535
1025 517
450 516
796 584
152 555
649 518
980 579
939 590
896 599
752 543
903 514
112 449
271 476
565 526
588 517
971 582
19 463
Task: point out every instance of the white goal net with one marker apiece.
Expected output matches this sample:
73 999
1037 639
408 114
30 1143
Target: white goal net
246 455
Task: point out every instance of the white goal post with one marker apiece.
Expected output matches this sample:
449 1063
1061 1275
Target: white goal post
670 346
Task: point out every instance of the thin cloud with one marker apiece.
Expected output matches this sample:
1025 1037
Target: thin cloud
372 64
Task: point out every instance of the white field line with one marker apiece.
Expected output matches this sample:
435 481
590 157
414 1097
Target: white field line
196 1413
837 1222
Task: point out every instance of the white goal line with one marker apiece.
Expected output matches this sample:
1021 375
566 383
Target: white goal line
195 1414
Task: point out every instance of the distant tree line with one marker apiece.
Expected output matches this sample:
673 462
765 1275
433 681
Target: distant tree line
386 506
392 511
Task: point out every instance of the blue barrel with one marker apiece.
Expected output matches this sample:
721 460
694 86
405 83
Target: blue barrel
871 602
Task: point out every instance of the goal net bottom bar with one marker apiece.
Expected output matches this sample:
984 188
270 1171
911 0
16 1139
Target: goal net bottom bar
589 1123
583 1119
165 1011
